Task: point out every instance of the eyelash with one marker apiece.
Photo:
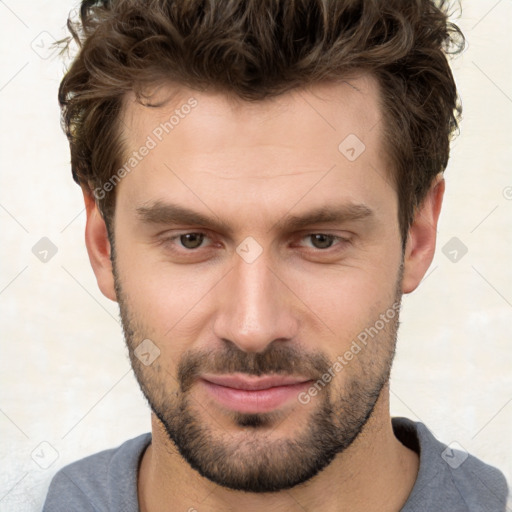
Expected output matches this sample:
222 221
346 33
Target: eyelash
170 240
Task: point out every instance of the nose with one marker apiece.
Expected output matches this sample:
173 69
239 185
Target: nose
255 306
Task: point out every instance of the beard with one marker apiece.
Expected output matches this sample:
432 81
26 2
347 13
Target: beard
252 459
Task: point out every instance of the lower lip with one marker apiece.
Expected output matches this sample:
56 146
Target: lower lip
254 401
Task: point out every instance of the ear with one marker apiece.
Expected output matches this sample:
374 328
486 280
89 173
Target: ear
421 239
98 246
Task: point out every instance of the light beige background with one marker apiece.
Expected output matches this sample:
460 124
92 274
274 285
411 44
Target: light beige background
65 374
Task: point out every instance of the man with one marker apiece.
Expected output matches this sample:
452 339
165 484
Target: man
263 181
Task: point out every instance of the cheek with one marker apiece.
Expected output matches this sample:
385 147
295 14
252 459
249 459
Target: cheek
347 299
168 303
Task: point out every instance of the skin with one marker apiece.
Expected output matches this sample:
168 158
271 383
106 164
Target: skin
251 165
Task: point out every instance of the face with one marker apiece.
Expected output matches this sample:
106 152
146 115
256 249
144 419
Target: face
251 245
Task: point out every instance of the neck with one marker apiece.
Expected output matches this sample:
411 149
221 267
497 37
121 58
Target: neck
376 472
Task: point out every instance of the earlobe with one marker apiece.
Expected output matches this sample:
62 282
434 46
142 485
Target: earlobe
421 240
98 246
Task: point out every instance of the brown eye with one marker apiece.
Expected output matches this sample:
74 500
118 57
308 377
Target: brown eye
192 240
321 241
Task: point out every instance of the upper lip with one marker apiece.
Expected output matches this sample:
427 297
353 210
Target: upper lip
254 382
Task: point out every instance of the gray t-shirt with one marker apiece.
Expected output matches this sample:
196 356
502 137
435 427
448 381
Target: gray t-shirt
448 480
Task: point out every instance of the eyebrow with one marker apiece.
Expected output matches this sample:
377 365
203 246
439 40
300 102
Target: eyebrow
168 213
325 215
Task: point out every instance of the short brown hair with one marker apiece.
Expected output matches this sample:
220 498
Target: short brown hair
256 49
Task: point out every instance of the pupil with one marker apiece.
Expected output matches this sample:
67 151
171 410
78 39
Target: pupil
191 240
322 241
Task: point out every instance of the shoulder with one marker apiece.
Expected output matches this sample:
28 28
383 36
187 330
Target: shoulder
449 477
104 481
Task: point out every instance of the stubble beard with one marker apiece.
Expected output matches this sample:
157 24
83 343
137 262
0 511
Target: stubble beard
255 458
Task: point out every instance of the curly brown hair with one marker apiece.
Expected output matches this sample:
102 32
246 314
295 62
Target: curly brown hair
257 49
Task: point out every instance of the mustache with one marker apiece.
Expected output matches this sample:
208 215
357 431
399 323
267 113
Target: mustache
278 358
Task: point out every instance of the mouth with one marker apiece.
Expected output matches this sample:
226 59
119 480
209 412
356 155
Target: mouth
252 394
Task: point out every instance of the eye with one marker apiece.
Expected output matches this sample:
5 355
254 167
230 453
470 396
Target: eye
191 240
323 241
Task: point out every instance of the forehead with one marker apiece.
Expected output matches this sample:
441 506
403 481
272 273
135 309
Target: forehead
207 147
338 106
